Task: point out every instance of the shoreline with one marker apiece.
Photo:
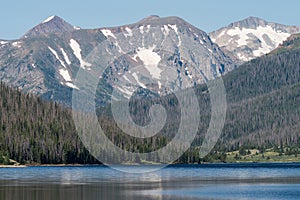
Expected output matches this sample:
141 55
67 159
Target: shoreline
136 164
13 166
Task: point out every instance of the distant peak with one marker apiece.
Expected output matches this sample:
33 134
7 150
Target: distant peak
254 19
53 18
52 24
159 22
156 20
153 17
150 18
249 22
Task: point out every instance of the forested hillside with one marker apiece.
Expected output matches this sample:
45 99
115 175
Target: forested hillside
264 101
34 131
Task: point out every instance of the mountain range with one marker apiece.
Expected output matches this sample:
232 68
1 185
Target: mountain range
46 59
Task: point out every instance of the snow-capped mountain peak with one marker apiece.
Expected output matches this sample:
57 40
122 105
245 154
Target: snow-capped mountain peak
252 37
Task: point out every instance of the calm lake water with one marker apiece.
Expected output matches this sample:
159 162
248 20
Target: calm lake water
209 181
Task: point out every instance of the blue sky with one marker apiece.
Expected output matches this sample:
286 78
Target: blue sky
16 17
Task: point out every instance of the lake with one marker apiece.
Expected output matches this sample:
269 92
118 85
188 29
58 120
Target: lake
205 181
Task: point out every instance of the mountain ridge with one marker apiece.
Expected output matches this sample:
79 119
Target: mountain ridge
47 60
52 57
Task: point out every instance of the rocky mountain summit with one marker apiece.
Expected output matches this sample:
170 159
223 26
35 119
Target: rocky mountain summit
52 24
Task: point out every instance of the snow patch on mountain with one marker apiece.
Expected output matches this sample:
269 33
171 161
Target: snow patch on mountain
108 33
126 92
188 73
165 29
3 42
244 34
243 57
77 52
119 47
56 56
127 79
138 81
150 60
129 31
17 44
148 28
141 29
65 56
134 57
65 74
48 19
174 27
71 85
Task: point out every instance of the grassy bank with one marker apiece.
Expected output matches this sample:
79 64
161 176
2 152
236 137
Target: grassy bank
269 155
